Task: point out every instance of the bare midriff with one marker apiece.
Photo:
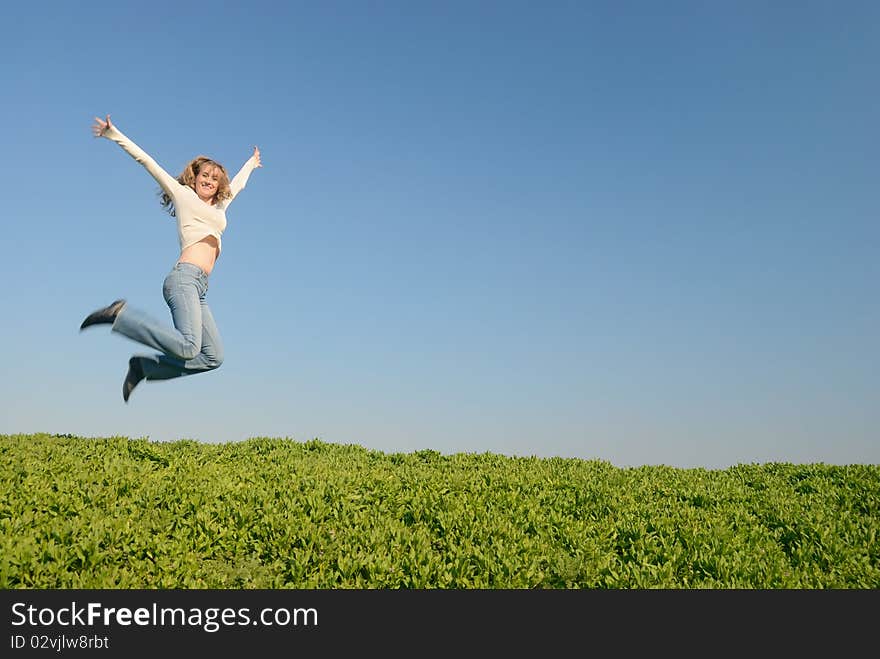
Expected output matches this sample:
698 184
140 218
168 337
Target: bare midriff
202 254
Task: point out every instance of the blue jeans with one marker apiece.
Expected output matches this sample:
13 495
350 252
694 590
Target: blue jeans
193 345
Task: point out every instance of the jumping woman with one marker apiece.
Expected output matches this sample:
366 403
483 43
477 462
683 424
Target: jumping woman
198 198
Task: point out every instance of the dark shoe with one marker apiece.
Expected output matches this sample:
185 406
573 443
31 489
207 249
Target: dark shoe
105 315
132 378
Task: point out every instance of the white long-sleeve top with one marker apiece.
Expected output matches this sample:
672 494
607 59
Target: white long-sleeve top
196 219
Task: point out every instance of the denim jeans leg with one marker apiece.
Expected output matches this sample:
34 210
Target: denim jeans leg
164 367
211 355
184 340
193 346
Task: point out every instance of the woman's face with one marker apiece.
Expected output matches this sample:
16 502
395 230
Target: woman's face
207 182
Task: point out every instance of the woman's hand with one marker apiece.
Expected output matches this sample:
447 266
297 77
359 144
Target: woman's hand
256 155
101 126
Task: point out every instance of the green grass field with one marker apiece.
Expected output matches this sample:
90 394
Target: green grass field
276 513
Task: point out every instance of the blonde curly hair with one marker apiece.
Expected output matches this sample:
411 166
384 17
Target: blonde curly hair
188 178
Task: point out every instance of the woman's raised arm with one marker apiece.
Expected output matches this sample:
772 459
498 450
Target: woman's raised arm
239 181
105 128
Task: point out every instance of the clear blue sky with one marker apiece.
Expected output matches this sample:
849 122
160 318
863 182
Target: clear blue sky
642 232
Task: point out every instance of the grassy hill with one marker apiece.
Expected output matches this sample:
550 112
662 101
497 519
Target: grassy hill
276 513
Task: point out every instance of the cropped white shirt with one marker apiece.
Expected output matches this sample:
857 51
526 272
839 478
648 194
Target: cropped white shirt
196 219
